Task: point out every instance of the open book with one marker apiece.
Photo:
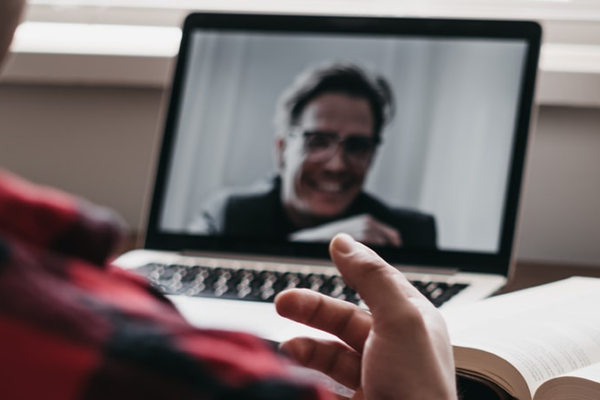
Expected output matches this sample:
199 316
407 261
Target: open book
541 343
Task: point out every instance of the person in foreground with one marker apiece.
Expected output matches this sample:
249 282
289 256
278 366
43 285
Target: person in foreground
81 328
74 326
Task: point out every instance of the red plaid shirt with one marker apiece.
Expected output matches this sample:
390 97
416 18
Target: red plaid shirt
74 327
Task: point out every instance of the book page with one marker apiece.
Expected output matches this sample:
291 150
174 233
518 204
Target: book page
544 332
582 383
591 373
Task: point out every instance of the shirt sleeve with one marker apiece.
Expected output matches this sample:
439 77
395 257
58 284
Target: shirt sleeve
48 218
75 327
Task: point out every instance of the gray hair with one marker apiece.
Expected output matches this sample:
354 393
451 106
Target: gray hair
335 77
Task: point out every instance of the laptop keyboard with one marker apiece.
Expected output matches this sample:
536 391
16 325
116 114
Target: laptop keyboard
261 285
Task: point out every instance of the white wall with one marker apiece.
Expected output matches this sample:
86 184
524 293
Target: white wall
95 142
98 142
561 209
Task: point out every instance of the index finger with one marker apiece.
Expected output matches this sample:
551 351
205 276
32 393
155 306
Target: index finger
384 289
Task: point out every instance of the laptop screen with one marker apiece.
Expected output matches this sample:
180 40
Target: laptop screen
408 134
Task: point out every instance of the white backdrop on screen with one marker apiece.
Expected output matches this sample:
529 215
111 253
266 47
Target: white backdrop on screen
446 151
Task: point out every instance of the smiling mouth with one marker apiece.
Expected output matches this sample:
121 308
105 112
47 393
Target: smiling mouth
331 187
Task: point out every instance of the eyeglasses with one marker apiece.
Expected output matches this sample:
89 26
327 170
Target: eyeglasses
321 146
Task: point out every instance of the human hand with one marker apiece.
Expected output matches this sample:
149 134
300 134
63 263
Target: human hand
400 350
363 228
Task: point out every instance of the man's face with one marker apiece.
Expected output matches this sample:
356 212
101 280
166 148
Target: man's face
323 189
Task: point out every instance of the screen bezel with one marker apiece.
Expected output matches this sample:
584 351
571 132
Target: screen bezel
497 262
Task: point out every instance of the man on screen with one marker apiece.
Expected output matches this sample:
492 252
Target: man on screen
330 124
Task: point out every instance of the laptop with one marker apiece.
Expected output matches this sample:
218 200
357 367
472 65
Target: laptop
261 162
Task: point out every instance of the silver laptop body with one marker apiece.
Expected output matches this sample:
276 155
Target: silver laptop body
453 154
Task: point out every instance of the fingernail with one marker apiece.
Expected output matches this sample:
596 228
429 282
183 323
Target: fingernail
344 244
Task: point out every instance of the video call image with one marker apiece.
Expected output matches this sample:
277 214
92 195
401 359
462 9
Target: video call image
402 142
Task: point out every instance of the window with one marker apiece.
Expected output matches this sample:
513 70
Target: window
564 21
142 9
570 60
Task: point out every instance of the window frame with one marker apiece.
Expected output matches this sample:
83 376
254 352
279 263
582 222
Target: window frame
170 12
569 66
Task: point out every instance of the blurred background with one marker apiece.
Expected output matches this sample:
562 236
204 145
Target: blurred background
83 95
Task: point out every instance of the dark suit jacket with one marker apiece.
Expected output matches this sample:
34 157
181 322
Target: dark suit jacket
257 212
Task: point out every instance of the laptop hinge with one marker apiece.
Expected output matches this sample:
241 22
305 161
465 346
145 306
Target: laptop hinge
259 258
313 262
409 269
